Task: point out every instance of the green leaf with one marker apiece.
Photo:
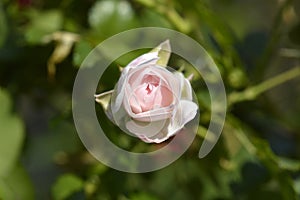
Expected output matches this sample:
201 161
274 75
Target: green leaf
104 99
81 50
43 23
20 184
204 99
6 191
65 186
142 196
11 137
297 185
164 52
152 18
110 17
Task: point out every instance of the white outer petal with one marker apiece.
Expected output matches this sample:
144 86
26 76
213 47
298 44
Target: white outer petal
187 90
187 111
145 59
146 130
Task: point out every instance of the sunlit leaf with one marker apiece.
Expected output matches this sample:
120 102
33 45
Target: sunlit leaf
65 186
6 191
81 50
20 183
11 137
117 15
297 185
164 52
43 23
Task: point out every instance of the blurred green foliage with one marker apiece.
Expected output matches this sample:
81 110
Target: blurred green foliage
42 44
66 185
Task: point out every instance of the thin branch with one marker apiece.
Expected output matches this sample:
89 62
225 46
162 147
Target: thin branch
252 92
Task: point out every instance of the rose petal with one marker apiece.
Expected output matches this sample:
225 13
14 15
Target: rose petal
186 92
118 96
134 104
137 75
146 130
187 111
145 59
146 96
164 97
150 96
168 80
154 115
186 88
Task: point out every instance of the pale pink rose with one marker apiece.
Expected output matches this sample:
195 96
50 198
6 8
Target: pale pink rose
150 101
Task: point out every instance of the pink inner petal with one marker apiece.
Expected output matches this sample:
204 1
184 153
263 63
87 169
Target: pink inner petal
150 95
134 104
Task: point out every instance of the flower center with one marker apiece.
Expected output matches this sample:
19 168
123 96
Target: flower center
149 88
150 94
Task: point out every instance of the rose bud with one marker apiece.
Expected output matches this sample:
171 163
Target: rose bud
150 101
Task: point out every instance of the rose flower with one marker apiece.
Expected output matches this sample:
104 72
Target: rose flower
150 101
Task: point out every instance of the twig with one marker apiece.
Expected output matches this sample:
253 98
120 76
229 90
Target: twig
252 92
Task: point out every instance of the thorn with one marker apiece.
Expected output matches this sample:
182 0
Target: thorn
190 77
